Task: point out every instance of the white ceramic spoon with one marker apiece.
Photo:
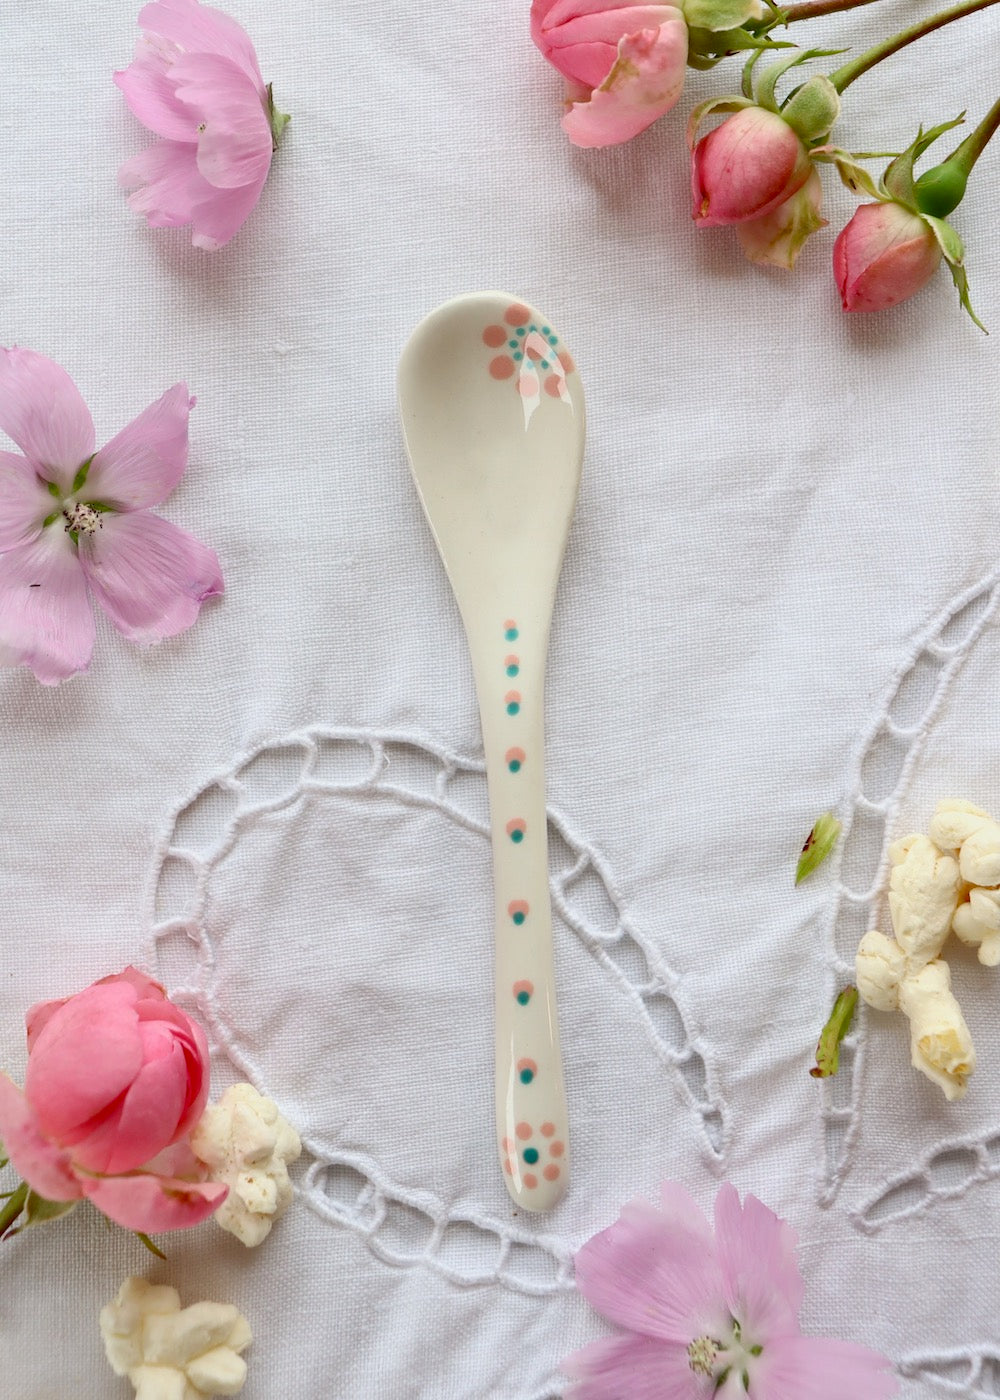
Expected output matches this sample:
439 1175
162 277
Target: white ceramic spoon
493 418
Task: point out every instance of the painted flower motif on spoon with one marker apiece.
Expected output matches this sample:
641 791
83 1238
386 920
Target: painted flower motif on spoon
74 520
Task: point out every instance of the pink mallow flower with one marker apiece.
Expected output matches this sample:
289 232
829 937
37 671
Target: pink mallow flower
744 169
117 1077
884 255
624 64
196 83
72 517
708 1315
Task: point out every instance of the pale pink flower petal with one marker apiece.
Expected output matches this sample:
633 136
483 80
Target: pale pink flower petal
883 256
166 184
144 462
153 1203
39 1162
150 91
41 409
46 621
816 1368
150 577
24 501
65 1088
151 1107
234 142
221 214
201 29
646 80
756 1252
654 1271
775 239
637 1367
581 40
746 168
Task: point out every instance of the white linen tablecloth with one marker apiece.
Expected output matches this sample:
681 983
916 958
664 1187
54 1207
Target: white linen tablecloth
787 531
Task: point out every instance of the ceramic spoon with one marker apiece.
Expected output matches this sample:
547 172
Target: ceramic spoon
493 418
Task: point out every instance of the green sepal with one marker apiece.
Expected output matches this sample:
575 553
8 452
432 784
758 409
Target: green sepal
898 180
54 490
713 104
277 120
82 473
852 173
818 845
148 1243
940 190
37 1209
839 1023
812 109
954 255
714 15
707 46
51 519
768 80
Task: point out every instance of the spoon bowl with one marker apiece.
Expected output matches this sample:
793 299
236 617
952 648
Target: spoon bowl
493 418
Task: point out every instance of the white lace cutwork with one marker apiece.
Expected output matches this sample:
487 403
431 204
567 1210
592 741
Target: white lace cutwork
880 775
942 1174
973 1374
351 1189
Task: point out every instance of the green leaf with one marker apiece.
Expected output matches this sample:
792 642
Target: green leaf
828 1049
819 843
768 80
717 14
277 120
37 1209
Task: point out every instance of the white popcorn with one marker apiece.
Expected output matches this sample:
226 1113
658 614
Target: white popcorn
923 893
977 922
245 1143
940 1044
878 970
174 1353
974 834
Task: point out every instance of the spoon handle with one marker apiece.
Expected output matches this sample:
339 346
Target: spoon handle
509 664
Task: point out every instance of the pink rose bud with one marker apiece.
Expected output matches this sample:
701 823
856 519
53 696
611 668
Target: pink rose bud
624 64
746 167
776 239
884 255
116 1076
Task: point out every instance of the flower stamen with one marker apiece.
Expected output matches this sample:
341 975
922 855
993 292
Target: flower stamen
82 517
702 1354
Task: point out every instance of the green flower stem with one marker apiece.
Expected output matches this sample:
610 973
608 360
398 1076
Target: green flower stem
846 75
812 9
966 155
13 1208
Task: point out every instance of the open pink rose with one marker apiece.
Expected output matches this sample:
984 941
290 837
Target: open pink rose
624 63
117 1077
748 166
73 520
884 255
196 83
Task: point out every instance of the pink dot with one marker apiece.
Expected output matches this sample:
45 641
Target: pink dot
517 315
507 1144
528 385
551 1172
556 1149
494 336
553 385
548 1129
502 367
530 1180
566 360
523 1131
508 1167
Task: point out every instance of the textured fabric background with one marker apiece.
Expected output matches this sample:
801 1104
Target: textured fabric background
781 508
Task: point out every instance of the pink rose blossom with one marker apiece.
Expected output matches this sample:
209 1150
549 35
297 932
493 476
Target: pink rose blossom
72 517
708 1315
117 1077
884 255
624 63
746 168
196 83
776 239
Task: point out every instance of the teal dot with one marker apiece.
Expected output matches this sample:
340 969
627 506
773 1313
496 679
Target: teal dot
511 634
527 1075
546 331
517 836
513 708
530 1154
514 765
545 364
520 330
518 917
518 355
523 998
532 327
512 344
553 339
512 670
